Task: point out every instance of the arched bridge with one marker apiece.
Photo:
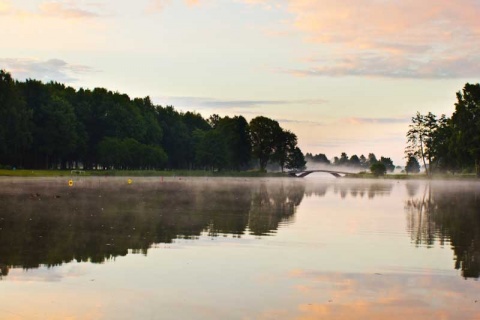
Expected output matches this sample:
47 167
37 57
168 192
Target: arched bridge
301 174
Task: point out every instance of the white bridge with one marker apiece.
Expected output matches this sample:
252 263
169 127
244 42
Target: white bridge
335 173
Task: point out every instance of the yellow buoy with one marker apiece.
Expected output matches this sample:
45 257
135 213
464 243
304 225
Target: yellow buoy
129 181
70 183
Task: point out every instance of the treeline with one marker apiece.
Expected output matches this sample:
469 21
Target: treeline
448 144
44 126
354 161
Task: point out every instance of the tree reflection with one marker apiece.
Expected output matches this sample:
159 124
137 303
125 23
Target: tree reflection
448 214
272 205
51 224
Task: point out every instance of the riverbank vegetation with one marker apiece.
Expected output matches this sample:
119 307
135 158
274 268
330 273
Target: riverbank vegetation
448 144
354 162
53 126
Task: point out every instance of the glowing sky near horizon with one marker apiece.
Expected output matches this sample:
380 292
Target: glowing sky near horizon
345 76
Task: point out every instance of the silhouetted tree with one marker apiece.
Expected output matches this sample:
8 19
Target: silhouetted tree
412 165
354 161
389 166
264 134
295 160
466 127
378 169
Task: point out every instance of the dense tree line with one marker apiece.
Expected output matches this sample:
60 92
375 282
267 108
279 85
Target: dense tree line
448 144
51 125
354 161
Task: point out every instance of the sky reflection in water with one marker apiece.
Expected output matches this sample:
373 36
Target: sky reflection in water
239 249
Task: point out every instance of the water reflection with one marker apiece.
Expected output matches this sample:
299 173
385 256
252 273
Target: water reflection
344 255
447 214
50 224
353 189
383 296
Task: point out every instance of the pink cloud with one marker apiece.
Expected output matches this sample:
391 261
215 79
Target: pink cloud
408 38
57 9
160 5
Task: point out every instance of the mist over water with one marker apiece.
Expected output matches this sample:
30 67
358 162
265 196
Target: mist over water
198 247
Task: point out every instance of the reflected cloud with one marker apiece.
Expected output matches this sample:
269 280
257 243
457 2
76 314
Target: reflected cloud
376 296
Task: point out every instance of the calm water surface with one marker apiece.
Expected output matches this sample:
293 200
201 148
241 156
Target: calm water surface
239 249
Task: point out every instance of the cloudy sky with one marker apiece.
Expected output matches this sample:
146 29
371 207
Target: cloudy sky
344 75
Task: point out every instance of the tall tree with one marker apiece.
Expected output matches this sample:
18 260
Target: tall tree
371 159
466 127
412 165
211 151
389 166
354 161
264 134
296 160
343 160
442 148
420 138
55 131
15 131
363 161
236 132
284 147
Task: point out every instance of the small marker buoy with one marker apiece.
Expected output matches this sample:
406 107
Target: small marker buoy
70 183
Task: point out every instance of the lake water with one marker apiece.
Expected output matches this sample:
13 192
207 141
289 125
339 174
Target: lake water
184 248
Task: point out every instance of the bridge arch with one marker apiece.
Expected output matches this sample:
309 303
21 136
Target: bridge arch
304 173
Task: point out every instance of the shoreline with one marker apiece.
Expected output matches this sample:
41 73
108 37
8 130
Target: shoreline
224 174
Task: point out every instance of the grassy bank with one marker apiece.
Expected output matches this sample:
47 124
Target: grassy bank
202 173
34 173
402 176
136 173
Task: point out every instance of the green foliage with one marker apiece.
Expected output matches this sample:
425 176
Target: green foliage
389 166
284 148
412 165
211 150
354 161
449 143
318 158
55 126
236 133
342 161
378 169
421 138
371 160
15 131
466 127
296 160
265 134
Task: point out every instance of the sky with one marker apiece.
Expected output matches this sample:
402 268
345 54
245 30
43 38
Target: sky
343 75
